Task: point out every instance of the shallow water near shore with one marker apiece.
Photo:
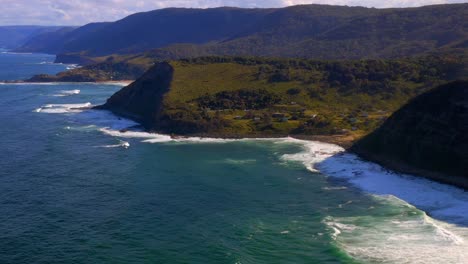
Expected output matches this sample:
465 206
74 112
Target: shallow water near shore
74 188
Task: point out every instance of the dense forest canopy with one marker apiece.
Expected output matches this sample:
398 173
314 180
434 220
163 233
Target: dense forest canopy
307 31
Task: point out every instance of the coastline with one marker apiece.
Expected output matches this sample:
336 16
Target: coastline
344 141
404 168
347 143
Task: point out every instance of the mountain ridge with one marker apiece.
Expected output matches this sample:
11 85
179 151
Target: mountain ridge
307 31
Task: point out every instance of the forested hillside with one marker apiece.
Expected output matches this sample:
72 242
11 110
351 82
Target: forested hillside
308 31
15 36
238 96
428 136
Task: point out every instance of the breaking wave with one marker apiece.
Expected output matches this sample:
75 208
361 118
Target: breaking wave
408 235
63 108
122 144
67 93
404 234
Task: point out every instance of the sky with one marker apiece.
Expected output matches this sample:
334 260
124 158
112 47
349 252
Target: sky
80 12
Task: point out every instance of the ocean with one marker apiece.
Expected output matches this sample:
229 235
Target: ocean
74 188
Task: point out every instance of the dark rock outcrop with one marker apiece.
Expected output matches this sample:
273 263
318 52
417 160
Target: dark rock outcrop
427 137
142 100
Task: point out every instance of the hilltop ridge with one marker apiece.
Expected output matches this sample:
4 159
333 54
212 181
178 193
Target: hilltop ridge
305 31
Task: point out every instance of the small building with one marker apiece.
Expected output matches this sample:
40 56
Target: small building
257 118
238 117
284 119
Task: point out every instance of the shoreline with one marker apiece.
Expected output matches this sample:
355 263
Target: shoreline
344 141
403 168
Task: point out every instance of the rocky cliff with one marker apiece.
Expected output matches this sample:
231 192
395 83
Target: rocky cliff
142 100
428 136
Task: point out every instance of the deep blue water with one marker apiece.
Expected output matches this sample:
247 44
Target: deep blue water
17 66
72 193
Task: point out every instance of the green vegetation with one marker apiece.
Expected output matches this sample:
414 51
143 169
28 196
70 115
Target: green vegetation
305 31
244 96
109 69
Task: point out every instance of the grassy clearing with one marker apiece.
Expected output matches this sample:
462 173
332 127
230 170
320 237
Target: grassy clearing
219 94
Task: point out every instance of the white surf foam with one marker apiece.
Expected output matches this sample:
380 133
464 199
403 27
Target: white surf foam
160 138
67 93
68 66
62 108
122 144
439 200
72 66
406 236
148 137
412 236
314 152
115 83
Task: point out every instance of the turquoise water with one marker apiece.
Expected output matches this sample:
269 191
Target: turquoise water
71 192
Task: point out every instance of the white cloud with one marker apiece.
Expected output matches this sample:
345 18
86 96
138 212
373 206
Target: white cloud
78 12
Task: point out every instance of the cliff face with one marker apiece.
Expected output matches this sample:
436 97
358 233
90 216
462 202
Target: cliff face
142 100
428 136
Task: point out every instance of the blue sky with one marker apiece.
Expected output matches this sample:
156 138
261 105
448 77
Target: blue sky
79 12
